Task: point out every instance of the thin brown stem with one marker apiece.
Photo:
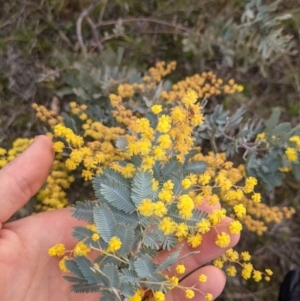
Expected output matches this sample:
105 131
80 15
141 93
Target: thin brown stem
150 20
79 21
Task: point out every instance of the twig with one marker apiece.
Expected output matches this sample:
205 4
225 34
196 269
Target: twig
163 7
150 20
103 40
79 21
95 34
102 11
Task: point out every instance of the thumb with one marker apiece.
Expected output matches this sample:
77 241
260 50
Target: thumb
24 176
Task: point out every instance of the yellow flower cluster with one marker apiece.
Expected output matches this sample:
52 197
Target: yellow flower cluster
121 114
57 250
137 296
158 72
205 84
114 244
125 90
292 151
169 134
18 146
231 257
45 115
223 175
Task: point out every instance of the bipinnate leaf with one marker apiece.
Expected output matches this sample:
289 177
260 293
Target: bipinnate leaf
72 267
72 279
141 187
151 239
144 266
128 219
171 259
83 234
129 276
103 259
126 235
116 177
86 288
105 222
86 268
169 242
127 289
111 271
117 196
107 295
136 160
195 167
158 282
150 251
192 221
173 166
83 211
177 180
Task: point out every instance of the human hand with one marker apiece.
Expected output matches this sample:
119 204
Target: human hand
28 273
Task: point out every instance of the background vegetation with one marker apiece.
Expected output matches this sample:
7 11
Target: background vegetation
50 51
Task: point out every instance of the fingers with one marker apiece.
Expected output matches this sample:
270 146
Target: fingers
46 228
208 251
208 248
23 177
214 285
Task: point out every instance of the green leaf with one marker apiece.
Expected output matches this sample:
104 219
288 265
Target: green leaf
150 251
190 155
172 166
169 242
127 219
72 267
196 167
191 222
84 211
121 143
296 171
69 122
103 259
177 180
281 129
116 177
129 276
117 196
85 265
107 295
126 235
144 266
141 187
85 235
151 239
273 120
171 259
137 161
158 282
85 288
127 289
74 279
105 222
111 271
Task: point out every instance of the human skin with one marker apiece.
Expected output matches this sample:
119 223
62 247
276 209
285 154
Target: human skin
27 273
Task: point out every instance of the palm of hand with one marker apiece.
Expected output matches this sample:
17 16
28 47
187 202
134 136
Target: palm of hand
27 272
